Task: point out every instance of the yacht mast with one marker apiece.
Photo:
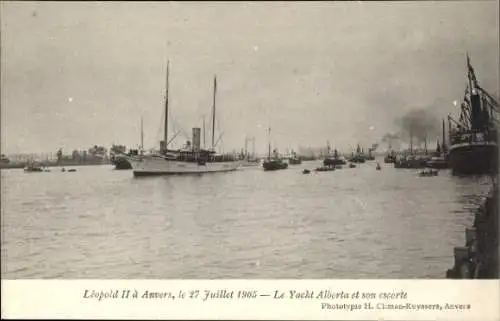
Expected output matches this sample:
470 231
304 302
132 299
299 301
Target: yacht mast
213 112
269 139
142 134
163 147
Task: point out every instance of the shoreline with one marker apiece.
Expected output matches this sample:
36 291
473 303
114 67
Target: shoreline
54 164
478 259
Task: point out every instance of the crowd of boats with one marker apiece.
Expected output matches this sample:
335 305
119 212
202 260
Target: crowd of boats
470 148
35 167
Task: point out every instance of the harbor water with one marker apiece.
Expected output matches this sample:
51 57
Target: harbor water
349 223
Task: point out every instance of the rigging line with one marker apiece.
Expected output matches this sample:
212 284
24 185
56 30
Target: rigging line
220 137
454 121
173 137
483 91
160 127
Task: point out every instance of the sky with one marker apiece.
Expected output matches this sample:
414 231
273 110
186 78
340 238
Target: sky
78 74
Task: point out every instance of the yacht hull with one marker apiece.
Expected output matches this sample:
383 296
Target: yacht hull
156 166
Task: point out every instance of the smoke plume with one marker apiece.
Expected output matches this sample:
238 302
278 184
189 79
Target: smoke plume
389 138
419 124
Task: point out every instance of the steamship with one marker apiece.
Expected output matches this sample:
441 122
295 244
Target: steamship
473 138
273 162
191 159
335 160
390 158
359 157
440 160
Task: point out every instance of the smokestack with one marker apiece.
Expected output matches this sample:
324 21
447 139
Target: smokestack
196 138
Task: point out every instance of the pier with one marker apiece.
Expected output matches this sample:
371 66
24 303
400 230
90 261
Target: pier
478 259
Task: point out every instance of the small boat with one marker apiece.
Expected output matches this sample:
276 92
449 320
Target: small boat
33 167
306 171
378 167
325 169
429 172
352 165
72 170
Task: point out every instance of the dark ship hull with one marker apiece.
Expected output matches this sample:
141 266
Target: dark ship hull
334 161
356 159
121 163
389 159
474 159
273 165
438 163
294 161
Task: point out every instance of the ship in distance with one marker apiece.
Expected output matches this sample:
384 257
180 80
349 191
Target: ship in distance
191 159
273 162
293 159
333 160
440 160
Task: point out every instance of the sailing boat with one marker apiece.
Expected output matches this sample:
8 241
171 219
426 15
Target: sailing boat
473 139
191 159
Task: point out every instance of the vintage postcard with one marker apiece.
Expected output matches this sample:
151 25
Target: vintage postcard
250 160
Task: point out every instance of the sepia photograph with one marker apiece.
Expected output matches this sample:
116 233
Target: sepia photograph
249 140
